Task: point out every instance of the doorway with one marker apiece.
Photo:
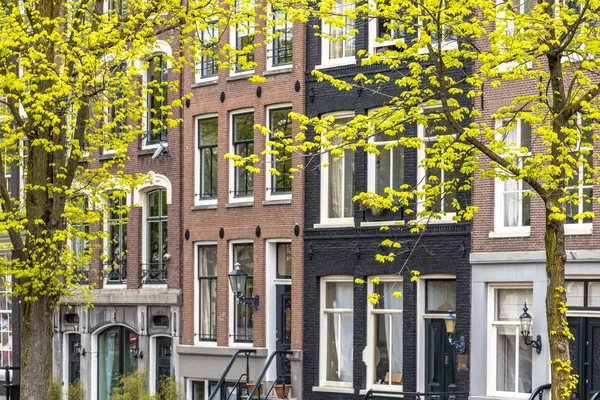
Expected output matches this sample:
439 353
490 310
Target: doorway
74 358
585 353
164 349
115 358
283 309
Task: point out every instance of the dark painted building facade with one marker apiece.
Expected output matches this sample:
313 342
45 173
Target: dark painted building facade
400 344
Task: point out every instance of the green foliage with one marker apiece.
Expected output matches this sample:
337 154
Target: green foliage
55 389
135 387
75 391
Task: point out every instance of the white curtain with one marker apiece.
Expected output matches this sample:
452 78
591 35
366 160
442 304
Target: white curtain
335 187
512 203
343 332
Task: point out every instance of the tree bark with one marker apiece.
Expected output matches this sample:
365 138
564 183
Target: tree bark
36 348
556 257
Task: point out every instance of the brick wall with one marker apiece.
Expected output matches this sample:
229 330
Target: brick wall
276 221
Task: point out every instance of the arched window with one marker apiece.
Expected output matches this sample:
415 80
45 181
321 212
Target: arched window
156 130
115 358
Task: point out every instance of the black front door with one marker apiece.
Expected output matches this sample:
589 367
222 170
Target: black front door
585 356
163 358
283 336
74 360
439 359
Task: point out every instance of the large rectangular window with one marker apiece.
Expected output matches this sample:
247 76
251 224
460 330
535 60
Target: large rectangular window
207 66
280 125
80 239
511 358
337 182
157 100
386 169
156 267
243 315
337 332
208 135
386 336
340 48
6 324
281 47
207 283
243 33
515 205
243 145
117 245
438 201
580 188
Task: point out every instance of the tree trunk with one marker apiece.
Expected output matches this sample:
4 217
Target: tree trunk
36 348
557 320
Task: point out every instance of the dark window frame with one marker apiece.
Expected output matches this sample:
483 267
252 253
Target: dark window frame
212 281
117 263
212 149
158 274
248 314
285 176
208 67
248 146
282 54
157 74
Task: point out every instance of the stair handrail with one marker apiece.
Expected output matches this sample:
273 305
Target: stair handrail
258 382
416 395
596 396
539 391
226 371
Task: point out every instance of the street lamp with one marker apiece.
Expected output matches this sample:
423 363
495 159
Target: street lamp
450 322
238 279
136 352
526 331
79 350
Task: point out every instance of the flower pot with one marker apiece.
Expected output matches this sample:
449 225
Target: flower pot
282 391
250 386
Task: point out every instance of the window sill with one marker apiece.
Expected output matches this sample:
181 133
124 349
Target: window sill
207 82
238 76
106 156
147 151
578 229
342 62
332 389
525 232
334 225
199 207
284 69
276 202
382 223
249 203
112 286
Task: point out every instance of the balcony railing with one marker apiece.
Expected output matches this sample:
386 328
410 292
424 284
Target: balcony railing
154 273
116 273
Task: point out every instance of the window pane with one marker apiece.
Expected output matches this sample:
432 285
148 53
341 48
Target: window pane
336 178
339 295
441 295
384 173
525 368
525 134
505 358
198 391
388 349
284 260
387 300
510 302
574 293
208 131
243 127
243 254
153 203
594 294
340 332
208 261
348 183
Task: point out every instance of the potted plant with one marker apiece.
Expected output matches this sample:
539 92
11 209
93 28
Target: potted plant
282 390
250 386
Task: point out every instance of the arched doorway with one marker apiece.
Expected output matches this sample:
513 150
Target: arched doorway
115 358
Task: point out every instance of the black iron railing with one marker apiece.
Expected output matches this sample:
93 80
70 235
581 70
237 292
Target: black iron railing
596 396
155 273
258 383
539 391
116 272
219 386
13 389
418 395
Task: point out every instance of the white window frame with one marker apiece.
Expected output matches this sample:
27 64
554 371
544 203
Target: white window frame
492 342
374 44
323 382
580 227
197 199
233 35
422 172
326 61
198 65
3 292
160 47
197 341
371 312
233 298
499 229
231 172
269 176
326 221
270 47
